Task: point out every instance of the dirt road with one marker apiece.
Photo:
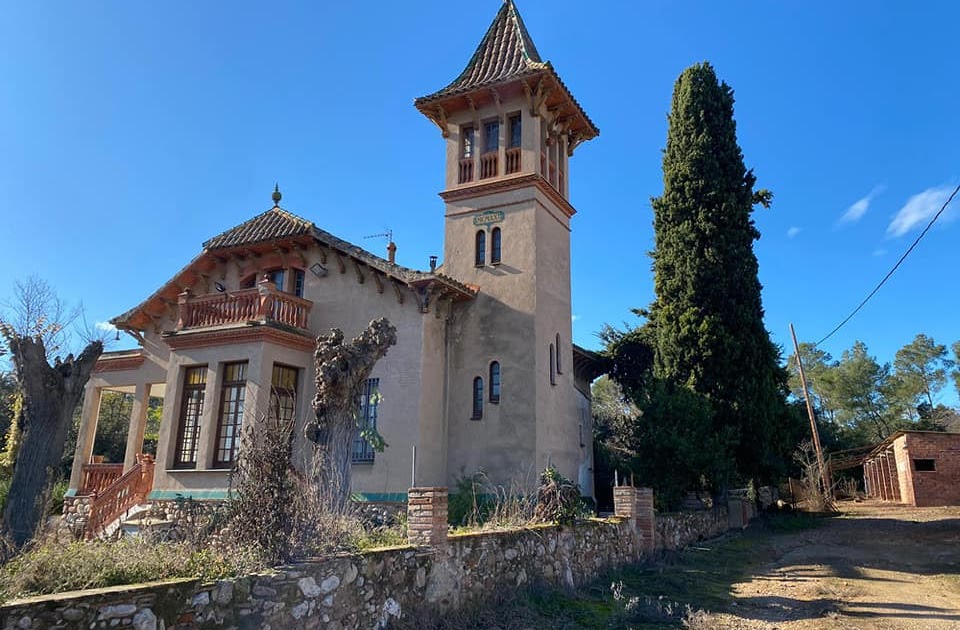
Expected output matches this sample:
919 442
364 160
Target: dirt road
879 566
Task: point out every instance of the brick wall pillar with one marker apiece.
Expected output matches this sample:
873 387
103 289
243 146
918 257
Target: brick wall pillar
646 521
427 516
636 506
894 476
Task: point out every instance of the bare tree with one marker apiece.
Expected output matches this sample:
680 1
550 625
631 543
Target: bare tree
34 331
342 369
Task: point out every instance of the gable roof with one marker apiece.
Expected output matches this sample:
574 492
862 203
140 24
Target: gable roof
505 52
275 223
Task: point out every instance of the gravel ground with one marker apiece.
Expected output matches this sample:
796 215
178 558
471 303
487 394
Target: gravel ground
878 566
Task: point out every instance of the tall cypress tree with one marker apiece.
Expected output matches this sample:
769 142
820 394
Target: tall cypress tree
708 314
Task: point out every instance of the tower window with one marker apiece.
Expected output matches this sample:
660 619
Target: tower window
553 365
495 382
516 131
477 399
495 243
469 146
559 371
491 136
480 255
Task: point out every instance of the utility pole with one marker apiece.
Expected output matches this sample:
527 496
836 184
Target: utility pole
825 477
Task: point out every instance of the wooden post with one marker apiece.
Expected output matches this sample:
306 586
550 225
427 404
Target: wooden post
813 422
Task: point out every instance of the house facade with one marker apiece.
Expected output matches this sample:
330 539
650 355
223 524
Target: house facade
484 375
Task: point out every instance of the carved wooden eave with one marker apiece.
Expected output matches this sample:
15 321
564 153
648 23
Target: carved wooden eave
117 361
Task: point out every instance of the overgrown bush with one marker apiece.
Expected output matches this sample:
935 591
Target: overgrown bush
558 498
50 566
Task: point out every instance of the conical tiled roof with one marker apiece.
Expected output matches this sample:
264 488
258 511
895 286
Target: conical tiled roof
273 224
506 52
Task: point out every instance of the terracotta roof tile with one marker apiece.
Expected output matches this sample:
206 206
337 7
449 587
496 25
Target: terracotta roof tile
273 224
505 52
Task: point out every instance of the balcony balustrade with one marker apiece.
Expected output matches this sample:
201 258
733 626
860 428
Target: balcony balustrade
466 171
513 160
263 303
488 165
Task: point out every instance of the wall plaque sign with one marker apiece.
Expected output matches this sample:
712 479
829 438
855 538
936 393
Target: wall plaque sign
488 217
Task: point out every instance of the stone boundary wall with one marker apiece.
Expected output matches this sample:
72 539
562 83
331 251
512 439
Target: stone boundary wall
366 591
350 591
676 530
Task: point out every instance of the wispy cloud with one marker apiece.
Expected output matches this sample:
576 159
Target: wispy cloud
859 208
574 318
918 210
105 326
879 252
793 231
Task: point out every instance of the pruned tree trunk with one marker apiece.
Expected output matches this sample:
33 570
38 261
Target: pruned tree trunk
50 394
342 370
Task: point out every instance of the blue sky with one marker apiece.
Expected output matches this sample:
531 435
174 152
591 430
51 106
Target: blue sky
132 132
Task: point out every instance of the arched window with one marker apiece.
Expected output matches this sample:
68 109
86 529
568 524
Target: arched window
553 365
559 371
495 382
495 246
477 399
480 255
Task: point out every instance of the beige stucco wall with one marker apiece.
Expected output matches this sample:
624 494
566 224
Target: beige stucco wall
524 302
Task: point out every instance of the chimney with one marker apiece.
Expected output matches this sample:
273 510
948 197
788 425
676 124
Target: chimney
433 263
392 252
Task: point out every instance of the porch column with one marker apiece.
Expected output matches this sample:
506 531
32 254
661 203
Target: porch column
89 415
138 424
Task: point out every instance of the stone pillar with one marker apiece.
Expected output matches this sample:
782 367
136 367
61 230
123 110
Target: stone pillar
138 424
625 503
89 415
427 516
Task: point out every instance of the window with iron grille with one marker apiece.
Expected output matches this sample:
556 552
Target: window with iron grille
191 412
477 399
480 253
495 382
368 407
283 394
230 420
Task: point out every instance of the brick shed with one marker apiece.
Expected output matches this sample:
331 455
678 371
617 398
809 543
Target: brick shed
919 468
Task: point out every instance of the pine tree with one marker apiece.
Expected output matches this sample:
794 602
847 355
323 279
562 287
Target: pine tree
708 314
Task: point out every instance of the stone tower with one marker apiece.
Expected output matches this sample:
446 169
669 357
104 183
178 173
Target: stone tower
511 126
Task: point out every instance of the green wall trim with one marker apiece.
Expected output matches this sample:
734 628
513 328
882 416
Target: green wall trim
379 497
72 492
197 495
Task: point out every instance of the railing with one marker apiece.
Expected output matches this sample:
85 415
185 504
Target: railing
466 171
262 303
129 490
96 477
513 160
488 165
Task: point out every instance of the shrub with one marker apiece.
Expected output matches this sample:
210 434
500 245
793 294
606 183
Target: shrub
50 566
558 498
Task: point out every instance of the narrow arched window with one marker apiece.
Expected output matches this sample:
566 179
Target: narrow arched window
559 371
553 365
480 256
477 399
495 382
495 244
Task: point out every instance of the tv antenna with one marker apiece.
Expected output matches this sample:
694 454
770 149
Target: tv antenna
387 235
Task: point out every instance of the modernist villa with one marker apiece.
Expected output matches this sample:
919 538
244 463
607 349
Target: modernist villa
484 375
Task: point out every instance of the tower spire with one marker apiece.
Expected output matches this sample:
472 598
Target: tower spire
276 196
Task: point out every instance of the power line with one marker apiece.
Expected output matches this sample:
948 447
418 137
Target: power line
890 273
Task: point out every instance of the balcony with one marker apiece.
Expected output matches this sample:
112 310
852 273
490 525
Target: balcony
466 171
513 160
261 304
488 165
